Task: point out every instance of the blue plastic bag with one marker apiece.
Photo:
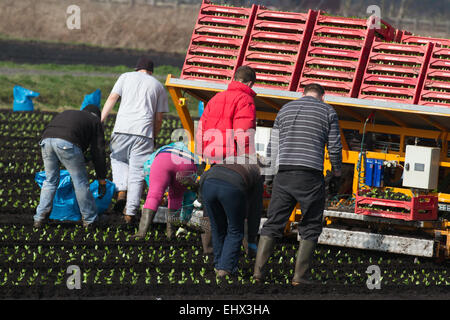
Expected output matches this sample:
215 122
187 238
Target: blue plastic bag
22 99
65 205
94 98
201 108
103 203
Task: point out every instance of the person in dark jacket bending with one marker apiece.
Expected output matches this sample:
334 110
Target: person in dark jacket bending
64 141
232 192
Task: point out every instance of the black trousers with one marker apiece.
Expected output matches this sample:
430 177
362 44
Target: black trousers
289 187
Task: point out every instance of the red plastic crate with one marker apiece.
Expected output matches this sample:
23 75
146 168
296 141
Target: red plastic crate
409 38
436 87
337 53
395 72
277 47
218 42
421 208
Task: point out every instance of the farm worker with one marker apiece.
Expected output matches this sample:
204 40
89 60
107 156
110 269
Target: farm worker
300 133
138 122
169 166
227 125
64 141
232 192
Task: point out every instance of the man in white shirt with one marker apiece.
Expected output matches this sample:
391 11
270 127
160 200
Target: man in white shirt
143 103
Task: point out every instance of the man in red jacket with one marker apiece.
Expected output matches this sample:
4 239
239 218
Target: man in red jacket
227 126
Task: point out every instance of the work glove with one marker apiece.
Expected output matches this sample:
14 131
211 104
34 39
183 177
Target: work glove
101 189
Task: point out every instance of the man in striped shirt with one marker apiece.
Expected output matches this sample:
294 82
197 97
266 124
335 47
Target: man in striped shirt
301 131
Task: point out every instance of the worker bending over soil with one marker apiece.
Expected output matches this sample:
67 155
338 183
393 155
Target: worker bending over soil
232 192
227 125
138 122
64 141
170 166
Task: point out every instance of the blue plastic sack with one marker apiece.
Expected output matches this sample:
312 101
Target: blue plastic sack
201 108
65 205
94 98
23 99
103 203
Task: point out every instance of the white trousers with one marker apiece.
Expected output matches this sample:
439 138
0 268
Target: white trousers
128 155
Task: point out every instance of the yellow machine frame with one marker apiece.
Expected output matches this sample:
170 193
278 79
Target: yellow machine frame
353 114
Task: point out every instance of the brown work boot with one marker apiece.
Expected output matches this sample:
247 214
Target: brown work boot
222 273
39 223
304 258
206 242
121 201
147 218
265 248
128 220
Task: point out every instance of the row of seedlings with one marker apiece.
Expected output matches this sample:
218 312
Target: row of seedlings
338 51
436 87
395 72
277 47
218 43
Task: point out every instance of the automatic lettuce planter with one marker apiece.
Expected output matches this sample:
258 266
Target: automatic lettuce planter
410 224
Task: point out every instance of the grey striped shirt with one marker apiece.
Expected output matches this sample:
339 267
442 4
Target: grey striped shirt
300 133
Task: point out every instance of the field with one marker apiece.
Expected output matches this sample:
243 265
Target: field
64 86
33 263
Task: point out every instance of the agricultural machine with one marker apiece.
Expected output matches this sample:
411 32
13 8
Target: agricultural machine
391 90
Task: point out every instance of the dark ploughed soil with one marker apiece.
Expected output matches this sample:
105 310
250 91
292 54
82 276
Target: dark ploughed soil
36 52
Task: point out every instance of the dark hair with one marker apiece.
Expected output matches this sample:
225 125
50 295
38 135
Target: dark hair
314 88
93 109
245 74
144 63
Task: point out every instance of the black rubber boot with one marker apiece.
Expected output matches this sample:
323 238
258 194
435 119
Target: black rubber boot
304 257
147 218
265 248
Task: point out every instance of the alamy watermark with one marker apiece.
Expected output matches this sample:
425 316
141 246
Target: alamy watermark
74 280
374 277
73 21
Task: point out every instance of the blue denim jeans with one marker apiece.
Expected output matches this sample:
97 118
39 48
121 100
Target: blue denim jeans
226 206
56 151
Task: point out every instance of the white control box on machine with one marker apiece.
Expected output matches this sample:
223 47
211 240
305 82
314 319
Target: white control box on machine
262 138
421 167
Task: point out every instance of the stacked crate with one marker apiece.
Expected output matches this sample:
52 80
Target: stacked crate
218 43
395 72
277 47
337 53
436 87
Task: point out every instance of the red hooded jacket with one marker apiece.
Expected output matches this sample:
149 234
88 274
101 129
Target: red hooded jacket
228 123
